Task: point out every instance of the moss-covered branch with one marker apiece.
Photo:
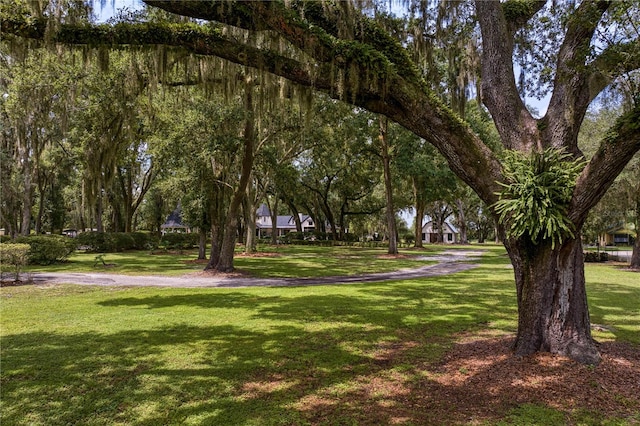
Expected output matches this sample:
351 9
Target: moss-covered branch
518 12
345 69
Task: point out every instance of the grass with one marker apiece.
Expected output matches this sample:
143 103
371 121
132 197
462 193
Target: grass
282 261
258 356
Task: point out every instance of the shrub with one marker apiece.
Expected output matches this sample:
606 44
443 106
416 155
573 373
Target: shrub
592 256
13 257
143 240
110 242
48 249
96 242
122 241
176 241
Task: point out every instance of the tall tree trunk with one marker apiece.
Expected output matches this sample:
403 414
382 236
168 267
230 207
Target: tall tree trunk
462 219
25 227
98 210
202 244
295 213
388 189
251 214
332 222
273 209
216 245
42 197
552 302
420 209
225 263
635 255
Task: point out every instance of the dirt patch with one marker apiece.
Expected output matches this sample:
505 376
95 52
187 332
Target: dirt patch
196 262
483 373
13 283
211 273
260 254
479 381
393 256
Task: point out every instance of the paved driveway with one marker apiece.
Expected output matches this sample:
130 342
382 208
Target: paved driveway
448 263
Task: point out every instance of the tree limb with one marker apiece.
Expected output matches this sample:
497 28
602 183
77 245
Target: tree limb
515 124
408 103
616 150
613 62
518 12
571 93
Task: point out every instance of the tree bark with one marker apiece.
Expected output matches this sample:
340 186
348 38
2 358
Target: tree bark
202 244
25 227
250 213
635 254
388 188
462 222
420 206
553 315
273 209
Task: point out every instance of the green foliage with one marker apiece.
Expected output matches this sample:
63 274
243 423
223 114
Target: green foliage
110 242
13 257
179 241
536 194
593 256
48 249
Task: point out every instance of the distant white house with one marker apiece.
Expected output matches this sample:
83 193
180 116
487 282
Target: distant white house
284 224
450 234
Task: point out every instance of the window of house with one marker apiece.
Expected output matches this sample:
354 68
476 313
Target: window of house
449 237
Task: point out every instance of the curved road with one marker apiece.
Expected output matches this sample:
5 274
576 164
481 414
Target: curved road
449 262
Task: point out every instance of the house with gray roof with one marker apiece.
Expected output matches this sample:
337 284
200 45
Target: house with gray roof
284 224
450 235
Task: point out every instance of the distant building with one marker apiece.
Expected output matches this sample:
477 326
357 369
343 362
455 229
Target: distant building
618 236
450 235
174 222
284 224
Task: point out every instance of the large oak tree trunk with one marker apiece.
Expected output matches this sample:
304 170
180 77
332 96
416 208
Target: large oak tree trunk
553 315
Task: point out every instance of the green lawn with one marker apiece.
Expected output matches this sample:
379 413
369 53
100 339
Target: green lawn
262 356
270 261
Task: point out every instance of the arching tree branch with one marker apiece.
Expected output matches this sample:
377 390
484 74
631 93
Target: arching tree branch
571 93
616 150
499 92
408 103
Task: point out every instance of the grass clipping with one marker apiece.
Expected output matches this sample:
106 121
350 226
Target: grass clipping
534 199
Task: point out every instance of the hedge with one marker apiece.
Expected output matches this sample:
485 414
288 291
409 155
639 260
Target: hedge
48 249
179 241
592 256
111 242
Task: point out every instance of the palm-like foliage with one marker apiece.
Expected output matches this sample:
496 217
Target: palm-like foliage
536 194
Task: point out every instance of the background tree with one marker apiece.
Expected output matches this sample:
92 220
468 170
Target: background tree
357 60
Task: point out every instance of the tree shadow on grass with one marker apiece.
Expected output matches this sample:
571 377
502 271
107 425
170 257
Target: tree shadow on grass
371 356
